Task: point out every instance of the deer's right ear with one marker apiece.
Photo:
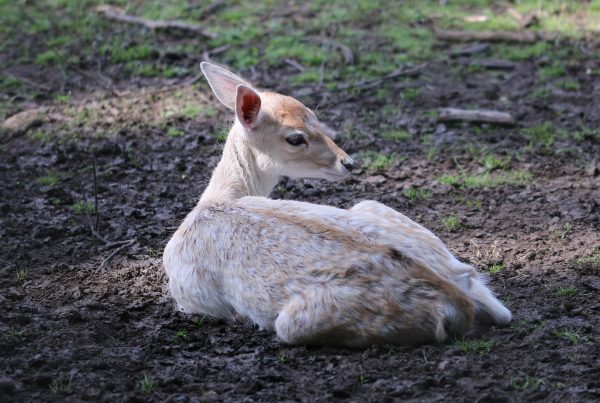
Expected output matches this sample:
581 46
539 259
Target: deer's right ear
223 83
247 106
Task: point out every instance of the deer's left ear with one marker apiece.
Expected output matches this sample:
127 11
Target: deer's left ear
247 106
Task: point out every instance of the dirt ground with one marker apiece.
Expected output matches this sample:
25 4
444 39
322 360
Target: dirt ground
519 202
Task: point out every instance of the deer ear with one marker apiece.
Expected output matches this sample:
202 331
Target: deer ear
247 106
223 83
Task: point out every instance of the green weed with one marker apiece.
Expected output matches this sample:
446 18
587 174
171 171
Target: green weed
281 357
493 162
81 207
13 333
147 384
222 135
376 161
527 382
568 291
174 132
589 263
540 135
50 179
136 52
570 85
452 223
180 334
58 386
554 70
21 275
571 334
520 53
556 232
414 194
496 268
396 135
486 180
411 93
475 346
48 57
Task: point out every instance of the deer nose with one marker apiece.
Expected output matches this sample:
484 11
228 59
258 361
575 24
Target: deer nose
348 163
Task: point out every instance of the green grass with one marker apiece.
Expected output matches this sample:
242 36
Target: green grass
486 179
411 93
13 333
479 346
396 135
147 384
136 52
542 135
571 334
376 161
61 386
556 232
552 71
452 223
496 268
48 57
21 275
521 53
527 382
174 132
81 207
50 179
568 291
180 334
570 85
493 162
222 135
281 356
589 263
414 194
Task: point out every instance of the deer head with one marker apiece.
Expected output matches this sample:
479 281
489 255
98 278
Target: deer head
281 129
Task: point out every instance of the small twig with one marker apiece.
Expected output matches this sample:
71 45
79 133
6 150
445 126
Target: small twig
294 64
30 82
125 244
95 194
212 8
94 78
394 74
491 36
118 14
477 115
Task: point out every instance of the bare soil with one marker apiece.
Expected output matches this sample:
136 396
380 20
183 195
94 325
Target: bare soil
74 329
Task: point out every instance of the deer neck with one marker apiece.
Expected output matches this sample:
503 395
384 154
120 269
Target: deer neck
242 171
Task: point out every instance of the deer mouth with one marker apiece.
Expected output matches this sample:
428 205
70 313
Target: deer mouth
335 174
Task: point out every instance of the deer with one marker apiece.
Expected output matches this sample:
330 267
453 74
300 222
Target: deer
314 274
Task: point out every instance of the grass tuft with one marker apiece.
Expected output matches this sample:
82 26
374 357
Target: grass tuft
571 334
475 346
569 291
414 193
496 268
147 384
527 382
452 223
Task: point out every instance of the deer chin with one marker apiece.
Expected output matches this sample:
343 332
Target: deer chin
335 174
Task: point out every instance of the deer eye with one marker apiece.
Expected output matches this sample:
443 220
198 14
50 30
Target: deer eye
296 139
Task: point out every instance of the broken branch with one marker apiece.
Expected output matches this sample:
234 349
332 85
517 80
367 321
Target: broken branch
490 36
118 14
478 115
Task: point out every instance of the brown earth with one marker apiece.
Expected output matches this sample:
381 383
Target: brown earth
75 330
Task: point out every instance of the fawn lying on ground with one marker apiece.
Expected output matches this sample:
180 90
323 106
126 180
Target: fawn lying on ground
315 274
